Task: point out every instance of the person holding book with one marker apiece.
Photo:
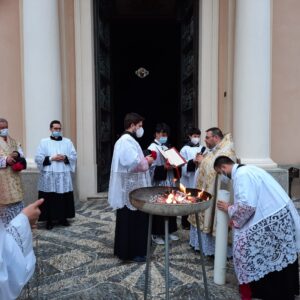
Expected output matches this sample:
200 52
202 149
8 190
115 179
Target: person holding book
191 151
162 174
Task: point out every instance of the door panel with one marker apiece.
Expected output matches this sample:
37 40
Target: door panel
103 93
155 47
189 12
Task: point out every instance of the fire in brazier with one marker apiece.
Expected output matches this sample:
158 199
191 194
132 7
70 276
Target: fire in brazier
172 196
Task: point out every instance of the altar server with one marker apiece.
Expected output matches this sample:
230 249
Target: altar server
162 174
129 171
17 259
266 233
56 159
190 151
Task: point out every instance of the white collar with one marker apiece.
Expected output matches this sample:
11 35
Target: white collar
233 171
158 142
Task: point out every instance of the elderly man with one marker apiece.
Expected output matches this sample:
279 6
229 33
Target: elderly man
266 227
11 191
218 144
17 260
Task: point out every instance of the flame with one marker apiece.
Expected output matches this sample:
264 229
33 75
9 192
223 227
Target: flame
170 198
200 193
182 188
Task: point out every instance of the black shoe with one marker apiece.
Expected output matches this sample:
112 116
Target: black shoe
139 259
64 222
49 225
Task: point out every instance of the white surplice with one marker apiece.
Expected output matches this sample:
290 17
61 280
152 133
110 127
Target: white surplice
160 161
188 152
129 171
266 224
56 177
17 259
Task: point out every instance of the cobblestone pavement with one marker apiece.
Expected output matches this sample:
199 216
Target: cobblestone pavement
76 262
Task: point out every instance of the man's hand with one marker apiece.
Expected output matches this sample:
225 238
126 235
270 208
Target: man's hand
198 159
58 157
33 212
10 160
221 205
150 159
168 166
15 154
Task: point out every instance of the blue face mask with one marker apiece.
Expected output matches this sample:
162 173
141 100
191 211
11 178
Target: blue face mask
56 134
163 139
4 132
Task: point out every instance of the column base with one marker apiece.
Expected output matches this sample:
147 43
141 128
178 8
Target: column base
265 163
31 165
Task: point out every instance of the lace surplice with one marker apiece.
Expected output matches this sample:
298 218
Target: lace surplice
267 246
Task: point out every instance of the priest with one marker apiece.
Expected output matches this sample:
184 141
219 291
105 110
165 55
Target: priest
11 188
266 239
129 171
217 144
17 259
56 159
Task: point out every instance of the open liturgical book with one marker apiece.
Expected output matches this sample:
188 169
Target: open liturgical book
173 156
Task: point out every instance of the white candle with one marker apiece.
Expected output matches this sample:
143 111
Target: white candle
221 240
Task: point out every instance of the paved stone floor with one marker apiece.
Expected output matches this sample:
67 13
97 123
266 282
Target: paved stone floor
76 262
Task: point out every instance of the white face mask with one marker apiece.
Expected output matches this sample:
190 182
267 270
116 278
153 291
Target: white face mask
195 140
4 132
140 132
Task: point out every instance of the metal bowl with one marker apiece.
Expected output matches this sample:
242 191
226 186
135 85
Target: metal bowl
140 199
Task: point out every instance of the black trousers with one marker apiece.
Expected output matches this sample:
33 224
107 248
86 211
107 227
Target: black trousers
278 285
130 233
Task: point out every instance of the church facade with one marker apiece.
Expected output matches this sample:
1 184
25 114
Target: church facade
236 63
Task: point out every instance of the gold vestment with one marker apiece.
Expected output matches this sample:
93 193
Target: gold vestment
11 190
206 180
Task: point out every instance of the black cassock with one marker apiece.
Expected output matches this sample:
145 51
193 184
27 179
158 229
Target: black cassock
130 233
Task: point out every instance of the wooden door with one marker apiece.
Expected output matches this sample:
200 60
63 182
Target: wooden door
189 12
103 103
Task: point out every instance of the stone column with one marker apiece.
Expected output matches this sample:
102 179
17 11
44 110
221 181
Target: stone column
42 73
252 80
208 63
85 100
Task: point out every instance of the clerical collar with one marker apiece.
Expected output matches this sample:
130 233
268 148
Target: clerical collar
192 145
59 138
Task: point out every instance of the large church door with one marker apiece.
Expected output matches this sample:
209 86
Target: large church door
189 13
146 61
103 92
